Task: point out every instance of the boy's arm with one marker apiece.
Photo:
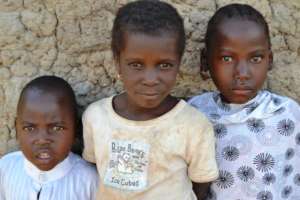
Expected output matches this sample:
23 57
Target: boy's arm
201 189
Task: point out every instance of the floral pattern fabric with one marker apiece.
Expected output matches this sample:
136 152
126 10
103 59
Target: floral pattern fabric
258 147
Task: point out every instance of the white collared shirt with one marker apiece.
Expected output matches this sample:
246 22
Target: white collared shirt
72 179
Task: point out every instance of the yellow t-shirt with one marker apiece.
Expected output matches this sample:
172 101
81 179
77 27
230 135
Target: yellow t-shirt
149 160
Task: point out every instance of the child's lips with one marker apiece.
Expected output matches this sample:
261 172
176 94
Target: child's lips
242 91
149 95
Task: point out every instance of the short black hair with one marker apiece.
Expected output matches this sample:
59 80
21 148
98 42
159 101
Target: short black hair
50 84
150 17
59 86
234 11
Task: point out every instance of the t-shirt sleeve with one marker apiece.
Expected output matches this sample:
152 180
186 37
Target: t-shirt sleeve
202 166
88 139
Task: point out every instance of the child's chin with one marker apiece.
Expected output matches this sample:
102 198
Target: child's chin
239 98
149 103
45 165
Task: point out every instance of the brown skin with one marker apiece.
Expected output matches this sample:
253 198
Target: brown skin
201 190
148 66
239 59
45 128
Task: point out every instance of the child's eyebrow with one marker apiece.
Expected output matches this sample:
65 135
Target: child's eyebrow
140 60
261 49
255 49
58 123
26 122
226 49
132 59
167 60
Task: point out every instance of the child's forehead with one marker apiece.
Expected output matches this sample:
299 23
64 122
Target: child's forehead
34 97
36 93
240 29
137 45
162 36
239 25
140 38
156 35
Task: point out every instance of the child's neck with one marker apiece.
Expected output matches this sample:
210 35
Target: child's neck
129 110
224 100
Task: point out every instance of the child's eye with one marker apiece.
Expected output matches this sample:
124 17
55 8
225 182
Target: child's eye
256 59
165 65
227 58
136 65
28 129
57 128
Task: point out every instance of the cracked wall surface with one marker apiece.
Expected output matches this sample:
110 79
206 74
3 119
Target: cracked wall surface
71 39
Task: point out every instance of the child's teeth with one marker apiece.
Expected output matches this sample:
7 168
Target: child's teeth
44 155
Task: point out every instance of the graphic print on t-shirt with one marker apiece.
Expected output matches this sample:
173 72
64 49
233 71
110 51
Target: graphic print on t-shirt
128 164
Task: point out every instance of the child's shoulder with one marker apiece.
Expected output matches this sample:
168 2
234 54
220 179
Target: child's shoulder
99 106
83 167
192 115
288 103
199 99
280 99
11 158
99 103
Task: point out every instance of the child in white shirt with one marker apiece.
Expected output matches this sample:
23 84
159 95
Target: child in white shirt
45 168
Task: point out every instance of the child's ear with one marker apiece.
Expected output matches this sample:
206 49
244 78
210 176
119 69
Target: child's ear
270 60
16 128
204 72
118 67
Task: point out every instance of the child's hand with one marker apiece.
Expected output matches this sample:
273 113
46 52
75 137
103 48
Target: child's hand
201 190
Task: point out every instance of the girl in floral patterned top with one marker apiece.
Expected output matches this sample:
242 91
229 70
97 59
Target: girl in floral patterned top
257 132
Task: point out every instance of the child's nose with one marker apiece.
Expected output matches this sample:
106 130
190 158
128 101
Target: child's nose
242 70
42 142
150 77
43 138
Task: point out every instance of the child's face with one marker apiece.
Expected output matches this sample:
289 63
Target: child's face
148 66
45 128
239 59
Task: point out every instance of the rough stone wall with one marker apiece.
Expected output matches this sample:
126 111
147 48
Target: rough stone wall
71 39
